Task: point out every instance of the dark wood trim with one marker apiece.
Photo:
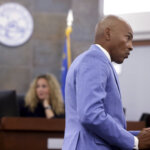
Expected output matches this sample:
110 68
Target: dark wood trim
135 125
34 124
141 42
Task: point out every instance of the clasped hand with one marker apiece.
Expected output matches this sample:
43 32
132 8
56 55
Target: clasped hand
144 139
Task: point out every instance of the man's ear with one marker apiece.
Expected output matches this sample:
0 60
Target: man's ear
107 34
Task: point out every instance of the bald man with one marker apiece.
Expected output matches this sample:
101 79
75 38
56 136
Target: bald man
94 112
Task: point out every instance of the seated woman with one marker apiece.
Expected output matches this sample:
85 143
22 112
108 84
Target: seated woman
43 98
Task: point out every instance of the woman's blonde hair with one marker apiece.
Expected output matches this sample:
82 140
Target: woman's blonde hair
55 98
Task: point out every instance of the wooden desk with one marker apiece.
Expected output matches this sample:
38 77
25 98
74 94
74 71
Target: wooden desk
20 133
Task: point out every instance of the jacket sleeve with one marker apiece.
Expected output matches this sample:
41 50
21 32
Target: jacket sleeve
135 133
91 82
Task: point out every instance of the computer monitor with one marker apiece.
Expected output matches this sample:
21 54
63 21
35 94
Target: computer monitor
8 104
146 117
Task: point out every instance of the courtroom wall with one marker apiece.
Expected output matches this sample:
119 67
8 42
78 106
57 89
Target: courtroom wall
42 53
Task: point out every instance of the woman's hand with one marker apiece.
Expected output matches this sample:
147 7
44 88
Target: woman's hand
45 102
48 109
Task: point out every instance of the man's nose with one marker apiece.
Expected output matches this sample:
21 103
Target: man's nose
130 46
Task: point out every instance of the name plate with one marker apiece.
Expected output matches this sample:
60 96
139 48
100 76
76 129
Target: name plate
55 143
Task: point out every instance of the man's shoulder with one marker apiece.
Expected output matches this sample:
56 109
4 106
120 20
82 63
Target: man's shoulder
94 54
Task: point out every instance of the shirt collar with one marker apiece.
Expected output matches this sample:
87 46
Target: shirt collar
105 52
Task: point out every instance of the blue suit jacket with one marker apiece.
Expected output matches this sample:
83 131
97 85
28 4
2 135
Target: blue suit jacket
94 113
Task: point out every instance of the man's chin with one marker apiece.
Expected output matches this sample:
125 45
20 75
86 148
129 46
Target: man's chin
119 61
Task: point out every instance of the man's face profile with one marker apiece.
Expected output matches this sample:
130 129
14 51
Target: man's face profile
121 42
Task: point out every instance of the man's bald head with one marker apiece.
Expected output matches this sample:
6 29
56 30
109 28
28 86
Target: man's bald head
111 22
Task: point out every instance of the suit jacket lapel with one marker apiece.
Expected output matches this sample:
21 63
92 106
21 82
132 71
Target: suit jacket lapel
116 77
114 72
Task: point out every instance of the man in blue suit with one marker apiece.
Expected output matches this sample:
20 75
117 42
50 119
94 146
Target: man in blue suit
94 112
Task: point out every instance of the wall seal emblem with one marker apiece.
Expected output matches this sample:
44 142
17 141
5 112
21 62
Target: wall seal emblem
16 24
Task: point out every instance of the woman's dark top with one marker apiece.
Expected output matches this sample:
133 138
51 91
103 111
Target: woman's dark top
38 112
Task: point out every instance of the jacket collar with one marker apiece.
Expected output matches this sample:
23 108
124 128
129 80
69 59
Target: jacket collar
104 51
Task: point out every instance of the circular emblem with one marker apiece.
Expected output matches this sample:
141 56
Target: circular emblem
16 24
